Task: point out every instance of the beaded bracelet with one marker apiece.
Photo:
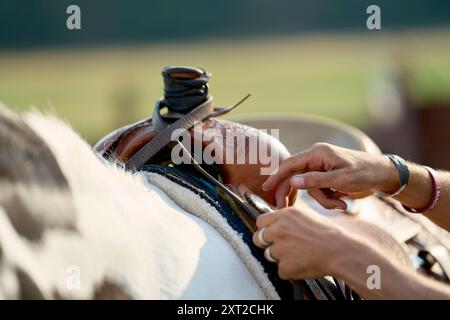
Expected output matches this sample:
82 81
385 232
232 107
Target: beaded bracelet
434 195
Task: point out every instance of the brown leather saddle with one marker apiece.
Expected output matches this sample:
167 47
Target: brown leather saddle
190 108
188 103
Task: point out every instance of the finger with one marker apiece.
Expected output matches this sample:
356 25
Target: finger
319 179
338 196
328 203
283 192
335 194
266 219
292 165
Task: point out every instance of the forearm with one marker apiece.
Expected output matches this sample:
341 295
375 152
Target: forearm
396 281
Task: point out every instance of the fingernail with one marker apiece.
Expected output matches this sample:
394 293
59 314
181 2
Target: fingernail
341 207
264 187
298 181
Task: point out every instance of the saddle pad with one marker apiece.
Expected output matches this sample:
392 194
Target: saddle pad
196 205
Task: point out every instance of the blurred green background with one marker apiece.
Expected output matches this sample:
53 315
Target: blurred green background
293 56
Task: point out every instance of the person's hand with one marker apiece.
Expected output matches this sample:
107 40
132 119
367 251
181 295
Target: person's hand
309 246
330 173
304 243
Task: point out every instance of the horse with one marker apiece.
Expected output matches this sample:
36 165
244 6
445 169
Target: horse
103 223
73 227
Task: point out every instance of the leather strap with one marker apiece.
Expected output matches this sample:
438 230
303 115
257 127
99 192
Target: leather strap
159 124
165 131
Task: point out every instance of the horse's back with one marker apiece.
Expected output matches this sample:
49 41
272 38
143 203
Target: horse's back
216 271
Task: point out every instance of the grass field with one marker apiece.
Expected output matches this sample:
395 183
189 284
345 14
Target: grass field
98 89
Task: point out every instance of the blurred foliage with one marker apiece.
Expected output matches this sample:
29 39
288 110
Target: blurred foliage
41 23
99 89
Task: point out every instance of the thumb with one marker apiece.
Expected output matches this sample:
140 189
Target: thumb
316 180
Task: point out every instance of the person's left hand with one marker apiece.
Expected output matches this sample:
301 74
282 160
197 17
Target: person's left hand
303 242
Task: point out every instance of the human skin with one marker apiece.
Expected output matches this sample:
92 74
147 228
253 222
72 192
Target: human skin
330 173
307 245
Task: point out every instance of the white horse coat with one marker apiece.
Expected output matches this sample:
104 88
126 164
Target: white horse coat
128 231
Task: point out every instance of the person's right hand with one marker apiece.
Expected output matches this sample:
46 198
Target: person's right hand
330 173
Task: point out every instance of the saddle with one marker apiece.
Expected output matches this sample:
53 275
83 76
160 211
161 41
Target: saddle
190 109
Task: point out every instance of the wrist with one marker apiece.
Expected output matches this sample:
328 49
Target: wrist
341 248
389 180
349 257
430 187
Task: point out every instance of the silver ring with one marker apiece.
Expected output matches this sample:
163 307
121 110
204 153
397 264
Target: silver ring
268 255
261 237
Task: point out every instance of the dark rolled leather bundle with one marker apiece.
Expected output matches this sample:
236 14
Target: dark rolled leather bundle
184 88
